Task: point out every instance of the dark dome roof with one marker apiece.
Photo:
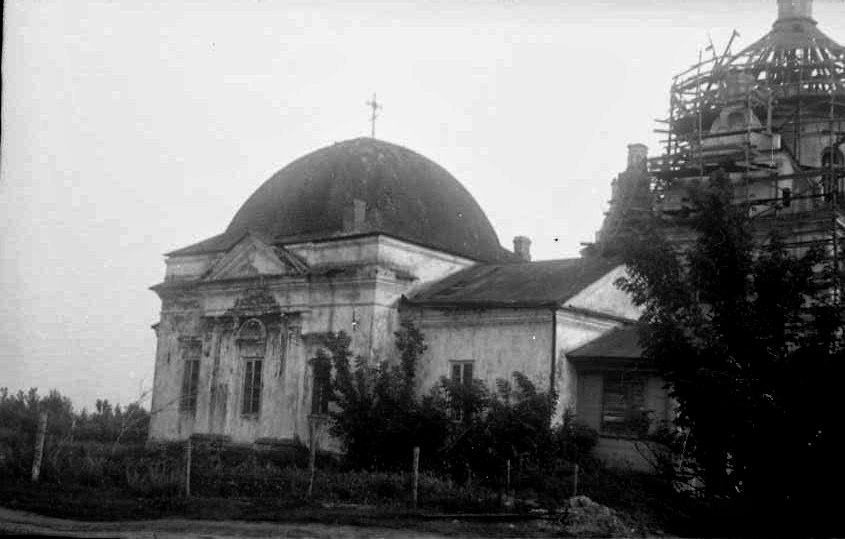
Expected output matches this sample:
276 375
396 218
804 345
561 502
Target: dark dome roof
406 195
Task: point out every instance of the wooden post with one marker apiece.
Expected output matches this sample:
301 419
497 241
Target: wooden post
508 483
312 459
416 470
188 468
575 480
39 446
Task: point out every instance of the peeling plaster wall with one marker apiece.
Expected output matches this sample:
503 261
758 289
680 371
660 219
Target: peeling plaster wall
500 341
423 263
573 331
620 451
361 298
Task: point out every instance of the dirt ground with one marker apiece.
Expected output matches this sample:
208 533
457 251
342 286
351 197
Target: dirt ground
24 523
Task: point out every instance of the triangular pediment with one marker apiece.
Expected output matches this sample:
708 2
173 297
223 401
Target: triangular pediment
252 257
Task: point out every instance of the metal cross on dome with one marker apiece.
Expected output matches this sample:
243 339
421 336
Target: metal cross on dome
375 106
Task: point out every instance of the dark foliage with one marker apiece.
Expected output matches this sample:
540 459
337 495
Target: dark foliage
66 428
749 335
461 427
379 420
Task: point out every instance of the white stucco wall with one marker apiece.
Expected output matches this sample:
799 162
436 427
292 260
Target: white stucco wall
574 329
361 298
498 341
604 297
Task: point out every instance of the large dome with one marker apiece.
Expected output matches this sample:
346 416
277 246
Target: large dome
406 195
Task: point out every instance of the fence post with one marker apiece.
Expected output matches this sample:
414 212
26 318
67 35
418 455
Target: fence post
39 446
312 459
416 470
508 483
188 468
575 480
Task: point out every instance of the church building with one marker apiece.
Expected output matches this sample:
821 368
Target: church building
355 237
361 234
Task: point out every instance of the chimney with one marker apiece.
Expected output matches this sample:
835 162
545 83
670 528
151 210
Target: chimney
637 154
795 9
354 216
522 248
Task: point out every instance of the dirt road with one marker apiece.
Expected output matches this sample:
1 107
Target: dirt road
21 522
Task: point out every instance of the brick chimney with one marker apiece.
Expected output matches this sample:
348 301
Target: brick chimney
637 154
795 9
522 248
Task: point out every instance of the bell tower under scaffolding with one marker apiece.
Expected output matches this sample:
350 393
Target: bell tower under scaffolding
772 116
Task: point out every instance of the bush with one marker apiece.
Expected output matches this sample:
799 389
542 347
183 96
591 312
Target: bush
464 430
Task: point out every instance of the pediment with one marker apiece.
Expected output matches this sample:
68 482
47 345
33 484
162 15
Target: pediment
252 257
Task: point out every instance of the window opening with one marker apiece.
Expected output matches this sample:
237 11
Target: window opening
251 347
623 405
191 352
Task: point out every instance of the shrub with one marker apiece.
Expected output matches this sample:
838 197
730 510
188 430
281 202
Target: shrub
463 429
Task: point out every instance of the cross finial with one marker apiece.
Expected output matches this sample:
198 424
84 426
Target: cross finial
375 106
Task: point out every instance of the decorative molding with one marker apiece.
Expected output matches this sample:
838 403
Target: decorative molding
239 262
254 302
316 338
484 317
180 303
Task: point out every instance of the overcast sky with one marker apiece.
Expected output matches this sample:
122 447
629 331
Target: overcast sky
131 128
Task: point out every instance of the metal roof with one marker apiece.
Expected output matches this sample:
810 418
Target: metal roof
619 343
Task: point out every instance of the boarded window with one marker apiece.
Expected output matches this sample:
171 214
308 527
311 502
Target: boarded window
251 348
623 404
191 352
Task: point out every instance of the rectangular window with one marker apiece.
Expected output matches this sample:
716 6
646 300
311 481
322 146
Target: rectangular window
462 372
321 393
623 405
191 352
252 386
461 375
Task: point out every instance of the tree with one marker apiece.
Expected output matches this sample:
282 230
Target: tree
749 335
378 419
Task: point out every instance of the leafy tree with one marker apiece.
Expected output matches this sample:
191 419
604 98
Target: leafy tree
378 419
512 423
749 335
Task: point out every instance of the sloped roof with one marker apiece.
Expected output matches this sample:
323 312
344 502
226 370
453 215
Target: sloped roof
526 284
618 343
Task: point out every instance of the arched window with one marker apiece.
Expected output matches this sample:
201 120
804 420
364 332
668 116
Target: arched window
251 347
